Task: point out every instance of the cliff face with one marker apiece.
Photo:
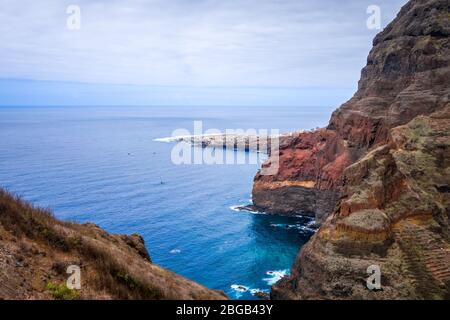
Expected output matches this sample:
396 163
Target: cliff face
406 75
394 213
386 154
309 176
36 249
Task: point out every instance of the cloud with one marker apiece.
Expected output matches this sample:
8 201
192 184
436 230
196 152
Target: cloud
273 43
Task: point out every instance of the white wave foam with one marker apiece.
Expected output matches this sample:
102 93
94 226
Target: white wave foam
236 208
275 276
242 208
239 288
293 226
175 251
171 139
255 291
311 223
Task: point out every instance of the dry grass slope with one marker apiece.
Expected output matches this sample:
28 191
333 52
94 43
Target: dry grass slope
36 248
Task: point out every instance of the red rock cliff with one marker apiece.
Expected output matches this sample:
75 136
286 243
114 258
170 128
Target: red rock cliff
406 76
378 175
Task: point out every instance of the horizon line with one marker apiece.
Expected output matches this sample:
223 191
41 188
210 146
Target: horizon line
176 86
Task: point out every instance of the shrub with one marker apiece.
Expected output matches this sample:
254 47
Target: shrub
62 292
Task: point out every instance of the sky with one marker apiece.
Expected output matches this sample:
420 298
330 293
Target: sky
185 52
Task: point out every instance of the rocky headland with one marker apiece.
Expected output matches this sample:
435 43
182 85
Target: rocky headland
233 141
406 76
377 177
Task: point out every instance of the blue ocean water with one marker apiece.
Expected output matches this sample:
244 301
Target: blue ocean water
102 165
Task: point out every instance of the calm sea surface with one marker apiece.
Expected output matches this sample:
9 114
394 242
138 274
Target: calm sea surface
102 165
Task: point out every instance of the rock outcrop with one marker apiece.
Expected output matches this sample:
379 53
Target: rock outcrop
394 213
36 249
406 76
385 159
309 175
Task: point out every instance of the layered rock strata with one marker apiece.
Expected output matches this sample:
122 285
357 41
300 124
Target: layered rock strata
406 76
385 155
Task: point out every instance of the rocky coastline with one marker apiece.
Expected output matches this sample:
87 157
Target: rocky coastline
377 177
231 141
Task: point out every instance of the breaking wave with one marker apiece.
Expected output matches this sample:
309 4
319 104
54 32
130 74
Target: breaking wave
275 276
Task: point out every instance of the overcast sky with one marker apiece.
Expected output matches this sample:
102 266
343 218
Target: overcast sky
198 44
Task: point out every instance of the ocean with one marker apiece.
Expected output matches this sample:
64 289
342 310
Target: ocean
103 165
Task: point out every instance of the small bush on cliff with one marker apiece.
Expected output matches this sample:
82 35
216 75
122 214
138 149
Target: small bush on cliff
62 292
